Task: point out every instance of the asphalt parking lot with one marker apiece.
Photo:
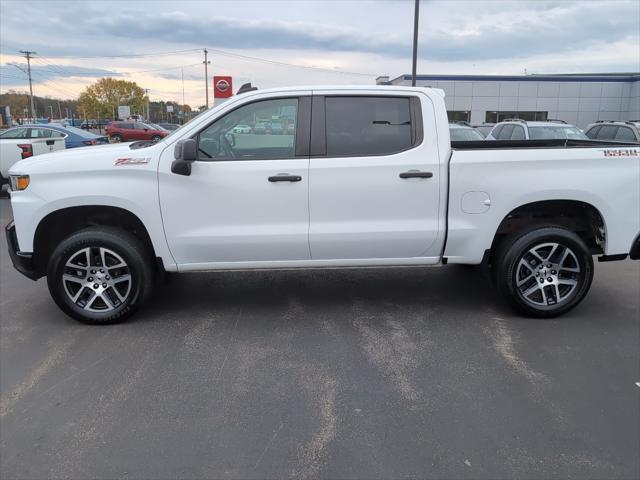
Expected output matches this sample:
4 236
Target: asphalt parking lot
381 373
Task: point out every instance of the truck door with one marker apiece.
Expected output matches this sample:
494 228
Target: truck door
246 199
374 177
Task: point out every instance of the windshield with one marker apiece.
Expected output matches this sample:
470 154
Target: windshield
556 132
464 135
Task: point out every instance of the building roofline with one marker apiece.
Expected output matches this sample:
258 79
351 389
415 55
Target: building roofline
561 77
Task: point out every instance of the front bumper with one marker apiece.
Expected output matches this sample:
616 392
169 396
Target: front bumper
23 262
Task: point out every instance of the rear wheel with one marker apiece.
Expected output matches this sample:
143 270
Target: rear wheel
156 138
545 271
100 275
116 138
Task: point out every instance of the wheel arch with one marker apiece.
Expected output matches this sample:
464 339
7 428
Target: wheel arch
59 224
578 216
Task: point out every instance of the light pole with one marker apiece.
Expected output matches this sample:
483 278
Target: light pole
416 15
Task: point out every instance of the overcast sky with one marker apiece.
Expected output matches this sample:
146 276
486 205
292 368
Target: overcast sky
337 41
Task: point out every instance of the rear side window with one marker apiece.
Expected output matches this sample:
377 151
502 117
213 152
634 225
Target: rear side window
625 134
357 126
496 131
15 133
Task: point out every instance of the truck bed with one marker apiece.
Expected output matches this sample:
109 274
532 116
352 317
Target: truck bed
553 143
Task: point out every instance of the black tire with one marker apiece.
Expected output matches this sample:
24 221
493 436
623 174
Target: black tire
116 247
117 138
156 138
550 295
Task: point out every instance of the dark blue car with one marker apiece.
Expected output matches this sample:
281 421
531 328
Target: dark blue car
75 137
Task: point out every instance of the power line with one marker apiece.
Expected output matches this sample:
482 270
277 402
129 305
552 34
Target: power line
285 64
131 55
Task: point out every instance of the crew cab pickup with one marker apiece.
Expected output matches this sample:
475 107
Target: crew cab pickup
367 178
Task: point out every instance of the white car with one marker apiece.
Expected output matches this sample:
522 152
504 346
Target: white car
242 129
523 130
17 143
368 179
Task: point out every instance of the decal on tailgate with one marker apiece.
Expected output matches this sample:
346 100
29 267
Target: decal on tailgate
622 152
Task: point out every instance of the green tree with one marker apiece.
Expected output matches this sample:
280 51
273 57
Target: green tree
104 96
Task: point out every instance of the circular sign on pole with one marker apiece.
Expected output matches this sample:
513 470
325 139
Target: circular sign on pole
222 87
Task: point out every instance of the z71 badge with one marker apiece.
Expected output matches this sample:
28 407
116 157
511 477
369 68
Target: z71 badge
622 152
132 161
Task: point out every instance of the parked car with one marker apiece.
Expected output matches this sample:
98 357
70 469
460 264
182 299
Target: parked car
74 136
614 130
169 126
88 124
462 133
242 129
262 128
276 128
18 143
129 131
522 130
370 185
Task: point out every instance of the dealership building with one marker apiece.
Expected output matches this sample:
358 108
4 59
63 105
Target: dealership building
579 99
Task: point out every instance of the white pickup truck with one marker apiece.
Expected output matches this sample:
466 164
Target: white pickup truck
18 143
357 177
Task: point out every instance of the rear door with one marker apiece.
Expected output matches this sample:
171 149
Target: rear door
374 177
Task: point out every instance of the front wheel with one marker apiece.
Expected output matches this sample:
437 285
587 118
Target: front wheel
156 138
545 271
100 275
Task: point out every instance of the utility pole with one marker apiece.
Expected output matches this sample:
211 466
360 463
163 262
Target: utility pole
206 77
51 110
416 14
27 55
59 111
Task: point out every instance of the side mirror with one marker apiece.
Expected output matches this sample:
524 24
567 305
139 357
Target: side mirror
185 153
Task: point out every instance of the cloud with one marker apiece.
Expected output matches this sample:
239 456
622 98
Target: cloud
450 30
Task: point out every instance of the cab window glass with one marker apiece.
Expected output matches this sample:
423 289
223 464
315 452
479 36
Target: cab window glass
258 131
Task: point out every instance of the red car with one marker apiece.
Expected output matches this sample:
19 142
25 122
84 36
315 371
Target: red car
128 131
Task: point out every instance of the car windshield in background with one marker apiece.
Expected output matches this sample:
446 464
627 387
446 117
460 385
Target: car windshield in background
556 132
464 135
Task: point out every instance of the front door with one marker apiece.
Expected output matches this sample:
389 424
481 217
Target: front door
374 181
245 201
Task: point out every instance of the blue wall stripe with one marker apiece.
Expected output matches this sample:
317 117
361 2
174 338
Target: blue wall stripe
529 78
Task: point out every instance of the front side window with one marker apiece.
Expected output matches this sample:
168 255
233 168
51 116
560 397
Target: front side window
269 132
518 133
505 133
367 125
464 135
607 132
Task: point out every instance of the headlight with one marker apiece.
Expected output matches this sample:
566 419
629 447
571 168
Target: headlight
18 182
